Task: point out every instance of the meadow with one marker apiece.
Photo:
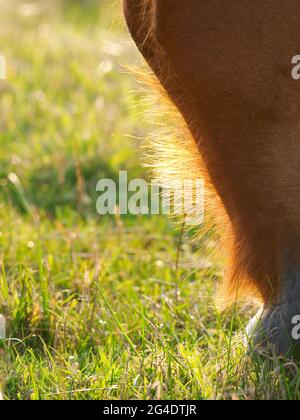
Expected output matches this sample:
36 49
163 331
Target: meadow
100 307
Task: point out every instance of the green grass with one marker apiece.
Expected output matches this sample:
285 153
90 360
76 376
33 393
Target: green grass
90 302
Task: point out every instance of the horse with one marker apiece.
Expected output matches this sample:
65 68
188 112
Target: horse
227 68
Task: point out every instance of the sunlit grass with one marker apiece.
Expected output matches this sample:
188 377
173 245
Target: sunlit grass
90 303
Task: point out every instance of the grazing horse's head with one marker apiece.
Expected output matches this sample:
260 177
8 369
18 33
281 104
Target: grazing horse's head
227 68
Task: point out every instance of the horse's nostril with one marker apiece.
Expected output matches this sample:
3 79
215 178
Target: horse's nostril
274 330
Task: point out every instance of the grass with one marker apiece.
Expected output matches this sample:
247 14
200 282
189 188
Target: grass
90 302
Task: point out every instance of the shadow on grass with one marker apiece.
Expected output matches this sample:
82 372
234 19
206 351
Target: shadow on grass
50 188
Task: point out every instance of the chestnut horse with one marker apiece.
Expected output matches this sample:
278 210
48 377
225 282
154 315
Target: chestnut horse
226 66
